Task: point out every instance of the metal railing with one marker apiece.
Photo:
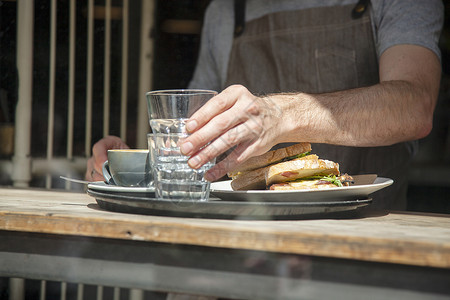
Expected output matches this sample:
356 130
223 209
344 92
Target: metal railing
99 18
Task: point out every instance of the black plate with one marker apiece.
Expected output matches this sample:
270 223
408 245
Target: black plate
216 208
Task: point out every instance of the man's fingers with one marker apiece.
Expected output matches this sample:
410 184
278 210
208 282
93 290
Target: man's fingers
215 106
213 130
100 150
100 155
241 113
235 136
228 163
91 173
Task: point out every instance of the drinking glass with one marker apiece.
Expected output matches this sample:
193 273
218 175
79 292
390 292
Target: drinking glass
173 178
168 110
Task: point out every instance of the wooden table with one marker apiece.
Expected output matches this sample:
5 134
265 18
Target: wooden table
65 236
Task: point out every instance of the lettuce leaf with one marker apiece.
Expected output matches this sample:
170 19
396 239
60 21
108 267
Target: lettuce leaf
331 178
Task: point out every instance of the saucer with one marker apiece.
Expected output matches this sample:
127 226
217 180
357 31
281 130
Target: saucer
105 187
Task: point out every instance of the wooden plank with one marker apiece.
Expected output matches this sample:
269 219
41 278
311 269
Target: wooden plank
414 239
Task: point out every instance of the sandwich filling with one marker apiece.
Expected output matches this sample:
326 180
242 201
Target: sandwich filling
314 182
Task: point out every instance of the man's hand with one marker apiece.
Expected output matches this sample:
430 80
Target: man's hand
234 118
100 155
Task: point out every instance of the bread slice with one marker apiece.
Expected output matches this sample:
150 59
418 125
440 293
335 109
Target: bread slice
250 180
299 168
270 157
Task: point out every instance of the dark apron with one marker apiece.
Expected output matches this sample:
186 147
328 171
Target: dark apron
320 50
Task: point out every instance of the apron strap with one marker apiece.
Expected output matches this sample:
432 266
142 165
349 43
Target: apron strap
239 17
360 8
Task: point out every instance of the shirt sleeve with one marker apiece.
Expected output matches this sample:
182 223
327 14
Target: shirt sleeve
215 46
415 22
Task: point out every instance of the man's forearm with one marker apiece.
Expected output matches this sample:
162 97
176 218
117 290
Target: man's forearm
383 114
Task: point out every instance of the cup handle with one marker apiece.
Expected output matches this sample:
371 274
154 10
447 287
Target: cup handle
106 174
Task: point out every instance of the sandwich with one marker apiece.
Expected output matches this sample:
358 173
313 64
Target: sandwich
289 168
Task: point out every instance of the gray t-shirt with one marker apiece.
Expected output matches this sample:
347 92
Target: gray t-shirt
394 22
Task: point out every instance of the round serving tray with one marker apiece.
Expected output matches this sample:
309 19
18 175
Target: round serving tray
216 208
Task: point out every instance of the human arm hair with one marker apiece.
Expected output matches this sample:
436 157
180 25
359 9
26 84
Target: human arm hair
399 108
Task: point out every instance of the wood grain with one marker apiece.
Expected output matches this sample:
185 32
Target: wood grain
404 238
